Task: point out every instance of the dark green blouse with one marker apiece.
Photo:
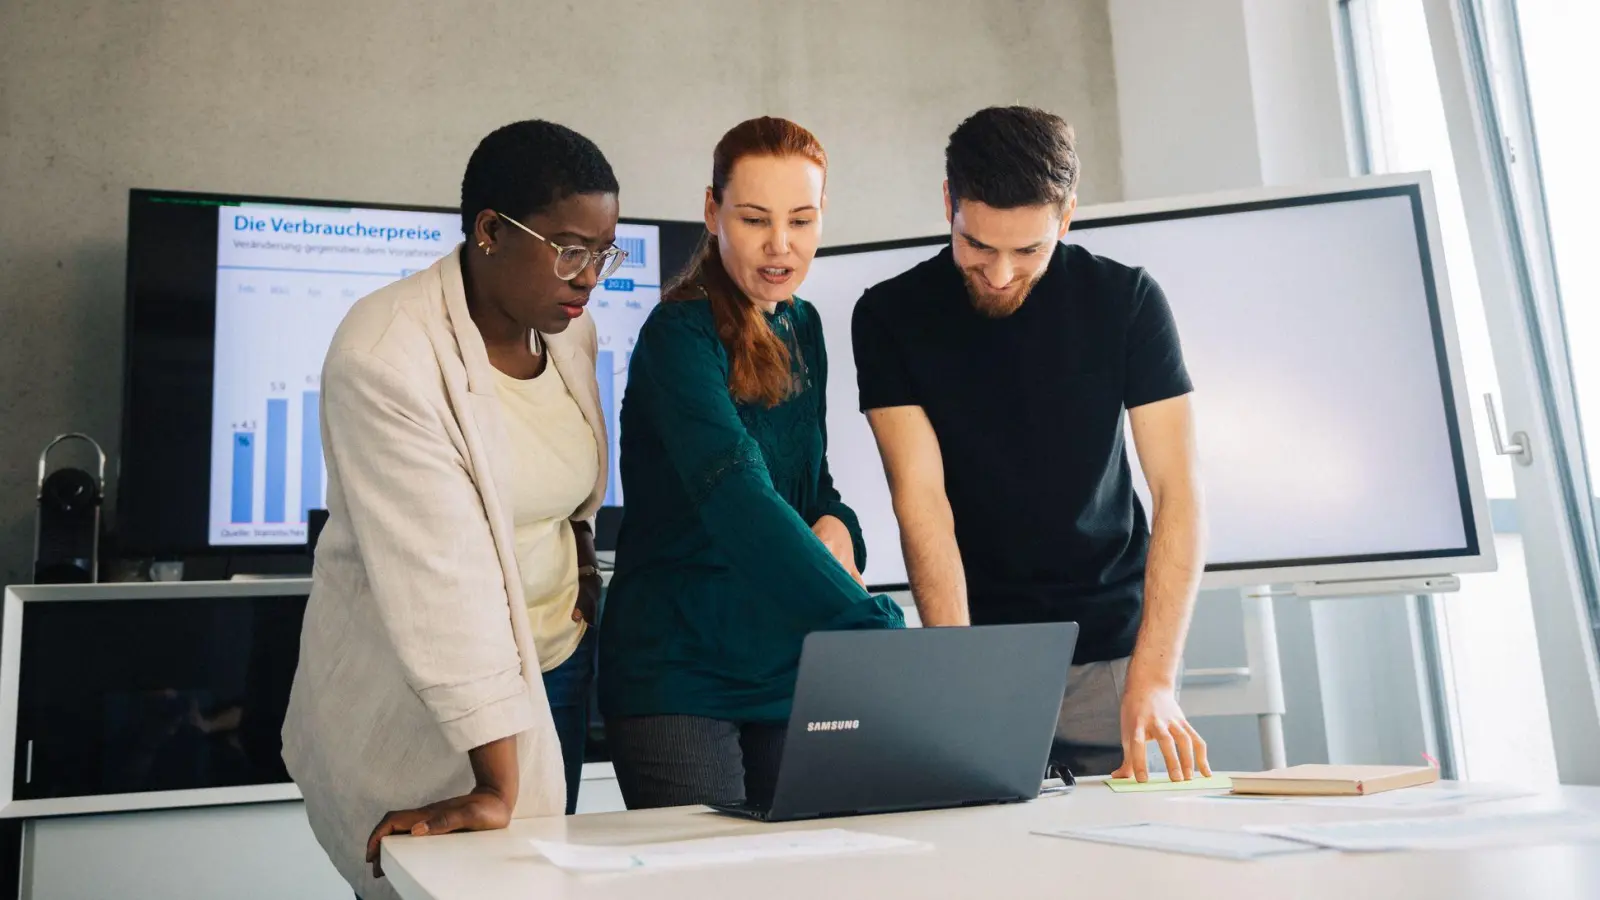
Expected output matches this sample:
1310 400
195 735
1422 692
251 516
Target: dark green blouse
719 577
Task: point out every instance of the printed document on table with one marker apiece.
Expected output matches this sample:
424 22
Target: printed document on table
716 851
1214 842
1461 832
1416 799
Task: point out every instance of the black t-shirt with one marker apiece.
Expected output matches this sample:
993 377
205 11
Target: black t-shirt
1028 411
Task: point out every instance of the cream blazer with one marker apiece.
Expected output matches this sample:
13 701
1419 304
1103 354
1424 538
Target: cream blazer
416 645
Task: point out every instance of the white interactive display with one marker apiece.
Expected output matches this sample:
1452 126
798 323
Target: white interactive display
1334 437
286 277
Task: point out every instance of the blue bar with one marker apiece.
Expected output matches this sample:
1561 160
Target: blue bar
605 375
310 455
615 435
277 458
635 250
244 476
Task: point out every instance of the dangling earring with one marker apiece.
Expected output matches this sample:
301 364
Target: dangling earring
487 250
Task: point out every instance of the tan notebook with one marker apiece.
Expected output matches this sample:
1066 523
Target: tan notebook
1334 780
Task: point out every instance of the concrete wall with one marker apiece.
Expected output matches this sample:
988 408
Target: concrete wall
1183 83
384 101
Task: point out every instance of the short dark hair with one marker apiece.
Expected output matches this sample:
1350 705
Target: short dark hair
1012 156
522 168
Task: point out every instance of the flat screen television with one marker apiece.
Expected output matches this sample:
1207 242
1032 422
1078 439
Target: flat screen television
1335 436
231 303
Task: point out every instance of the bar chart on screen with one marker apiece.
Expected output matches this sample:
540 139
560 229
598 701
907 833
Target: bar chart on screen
620 305
280 508
279 302
286 278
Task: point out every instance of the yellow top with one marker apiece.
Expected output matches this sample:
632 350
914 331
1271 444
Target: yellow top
557 463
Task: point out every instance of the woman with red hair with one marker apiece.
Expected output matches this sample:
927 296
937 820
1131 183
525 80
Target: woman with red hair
735 544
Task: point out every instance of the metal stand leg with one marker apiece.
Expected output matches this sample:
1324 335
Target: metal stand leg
1261 646
1253 689
1272 753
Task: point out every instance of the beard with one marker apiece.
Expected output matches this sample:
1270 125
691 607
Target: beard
994 304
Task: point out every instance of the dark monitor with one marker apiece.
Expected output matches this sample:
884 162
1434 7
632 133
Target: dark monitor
143 696
231 303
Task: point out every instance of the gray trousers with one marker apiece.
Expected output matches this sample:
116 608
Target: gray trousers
687 760
1089 729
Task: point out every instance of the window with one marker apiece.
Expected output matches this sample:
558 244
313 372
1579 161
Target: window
1562 76
1493 681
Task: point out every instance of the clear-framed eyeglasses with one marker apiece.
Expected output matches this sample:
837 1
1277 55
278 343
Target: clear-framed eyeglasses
571 261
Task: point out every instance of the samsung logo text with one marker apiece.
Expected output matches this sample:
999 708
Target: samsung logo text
846 725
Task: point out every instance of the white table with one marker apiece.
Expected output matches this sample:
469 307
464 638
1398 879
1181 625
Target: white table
987 852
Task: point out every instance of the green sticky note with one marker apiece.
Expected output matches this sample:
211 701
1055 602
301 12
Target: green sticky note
1162 783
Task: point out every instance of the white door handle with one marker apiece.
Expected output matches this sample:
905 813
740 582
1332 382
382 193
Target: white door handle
1519 448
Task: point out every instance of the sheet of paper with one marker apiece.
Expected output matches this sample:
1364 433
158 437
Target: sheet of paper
1414 799
1162 783
715 851
1459 832
1214 842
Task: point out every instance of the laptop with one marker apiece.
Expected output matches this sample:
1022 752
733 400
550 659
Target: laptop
919 718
